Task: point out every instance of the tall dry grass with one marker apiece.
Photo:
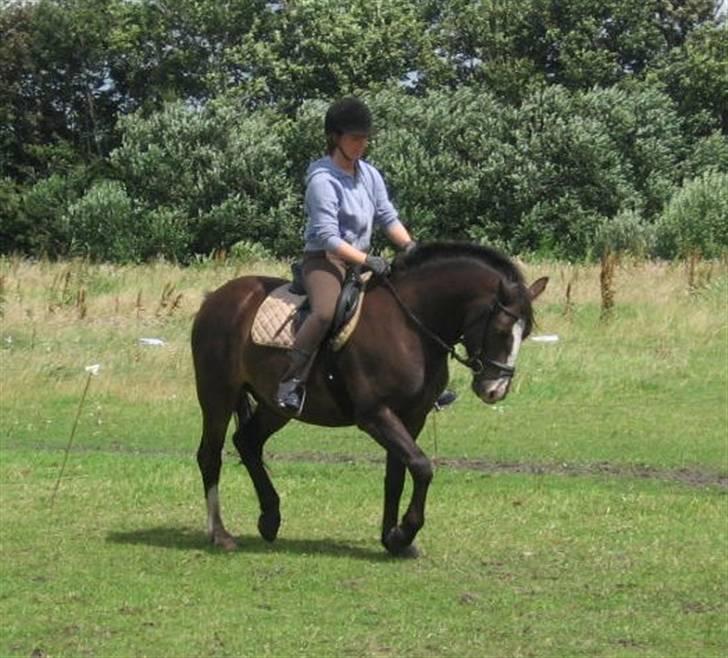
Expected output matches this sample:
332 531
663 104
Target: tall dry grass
56 318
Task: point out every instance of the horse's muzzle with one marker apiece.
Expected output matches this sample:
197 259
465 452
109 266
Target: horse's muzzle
491 391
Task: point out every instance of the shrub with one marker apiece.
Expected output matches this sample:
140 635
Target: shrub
561 228
249 252
627 233
537 177
223 168
167 233
105 224
696 219
15 229
44 209
710 152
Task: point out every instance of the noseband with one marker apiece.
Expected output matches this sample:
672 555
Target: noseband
479 361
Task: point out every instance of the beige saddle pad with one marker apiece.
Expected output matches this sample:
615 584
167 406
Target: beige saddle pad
277 319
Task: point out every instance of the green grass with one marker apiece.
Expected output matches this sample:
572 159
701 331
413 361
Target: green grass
513 564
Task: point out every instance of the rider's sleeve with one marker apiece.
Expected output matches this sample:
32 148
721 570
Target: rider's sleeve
385 214
322 208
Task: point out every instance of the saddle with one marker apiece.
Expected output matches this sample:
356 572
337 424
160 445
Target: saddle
286 307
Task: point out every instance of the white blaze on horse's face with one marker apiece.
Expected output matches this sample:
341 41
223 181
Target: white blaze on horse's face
494 390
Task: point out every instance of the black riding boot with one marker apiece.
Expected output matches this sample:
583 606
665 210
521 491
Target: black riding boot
291 390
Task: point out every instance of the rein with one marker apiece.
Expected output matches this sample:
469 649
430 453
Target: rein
477 363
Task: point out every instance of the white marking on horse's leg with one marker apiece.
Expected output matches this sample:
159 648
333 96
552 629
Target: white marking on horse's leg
214 519
215 527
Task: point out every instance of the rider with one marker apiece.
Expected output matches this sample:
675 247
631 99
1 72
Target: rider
345 197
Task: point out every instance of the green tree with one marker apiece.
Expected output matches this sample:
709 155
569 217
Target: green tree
55 80
162 52
696 76
326 48
578 44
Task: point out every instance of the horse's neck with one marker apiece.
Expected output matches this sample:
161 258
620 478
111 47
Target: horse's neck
440 296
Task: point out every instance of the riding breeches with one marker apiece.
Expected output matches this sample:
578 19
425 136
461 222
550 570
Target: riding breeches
323 276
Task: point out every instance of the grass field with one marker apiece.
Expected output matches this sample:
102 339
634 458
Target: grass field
586 515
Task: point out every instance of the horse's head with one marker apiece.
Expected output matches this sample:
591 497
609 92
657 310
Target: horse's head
493 336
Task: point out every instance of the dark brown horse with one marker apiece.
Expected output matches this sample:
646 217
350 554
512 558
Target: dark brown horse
385 380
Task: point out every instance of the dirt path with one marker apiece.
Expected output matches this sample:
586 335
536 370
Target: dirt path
688 476
693 477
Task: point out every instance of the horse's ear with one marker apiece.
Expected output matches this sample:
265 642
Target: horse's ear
537 287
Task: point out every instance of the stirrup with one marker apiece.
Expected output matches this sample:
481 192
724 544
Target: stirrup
291 395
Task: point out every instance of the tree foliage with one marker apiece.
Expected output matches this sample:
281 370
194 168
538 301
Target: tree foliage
538 126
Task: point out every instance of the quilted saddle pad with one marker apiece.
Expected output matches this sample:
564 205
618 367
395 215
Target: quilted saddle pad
280 315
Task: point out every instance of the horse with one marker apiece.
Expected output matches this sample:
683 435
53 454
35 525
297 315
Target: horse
385 380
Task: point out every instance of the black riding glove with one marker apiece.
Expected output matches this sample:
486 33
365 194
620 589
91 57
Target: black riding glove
409 246
378 265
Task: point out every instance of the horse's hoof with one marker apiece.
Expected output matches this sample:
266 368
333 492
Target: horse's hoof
268 524
225 541
396 543
410 552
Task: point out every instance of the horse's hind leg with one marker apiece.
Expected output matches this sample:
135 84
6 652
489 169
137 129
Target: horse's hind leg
209 459
249 439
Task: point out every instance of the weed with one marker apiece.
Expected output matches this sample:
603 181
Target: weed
168 302
606 283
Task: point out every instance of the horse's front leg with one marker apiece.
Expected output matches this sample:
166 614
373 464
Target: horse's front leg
393 486
389 431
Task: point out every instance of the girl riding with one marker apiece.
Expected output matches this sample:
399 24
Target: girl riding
345 198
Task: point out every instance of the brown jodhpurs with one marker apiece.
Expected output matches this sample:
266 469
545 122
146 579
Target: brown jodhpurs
323 276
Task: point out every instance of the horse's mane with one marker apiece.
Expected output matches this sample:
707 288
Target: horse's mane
432 252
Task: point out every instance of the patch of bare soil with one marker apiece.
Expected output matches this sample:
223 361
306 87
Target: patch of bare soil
688 476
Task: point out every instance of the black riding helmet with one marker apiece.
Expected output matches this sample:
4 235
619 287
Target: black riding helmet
348 115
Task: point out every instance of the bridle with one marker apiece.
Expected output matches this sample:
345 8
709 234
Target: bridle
479 361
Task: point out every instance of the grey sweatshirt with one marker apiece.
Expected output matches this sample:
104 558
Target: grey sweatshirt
344 208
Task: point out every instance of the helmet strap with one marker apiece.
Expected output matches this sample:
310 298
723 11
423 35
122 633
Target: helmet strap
344 154
347 158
